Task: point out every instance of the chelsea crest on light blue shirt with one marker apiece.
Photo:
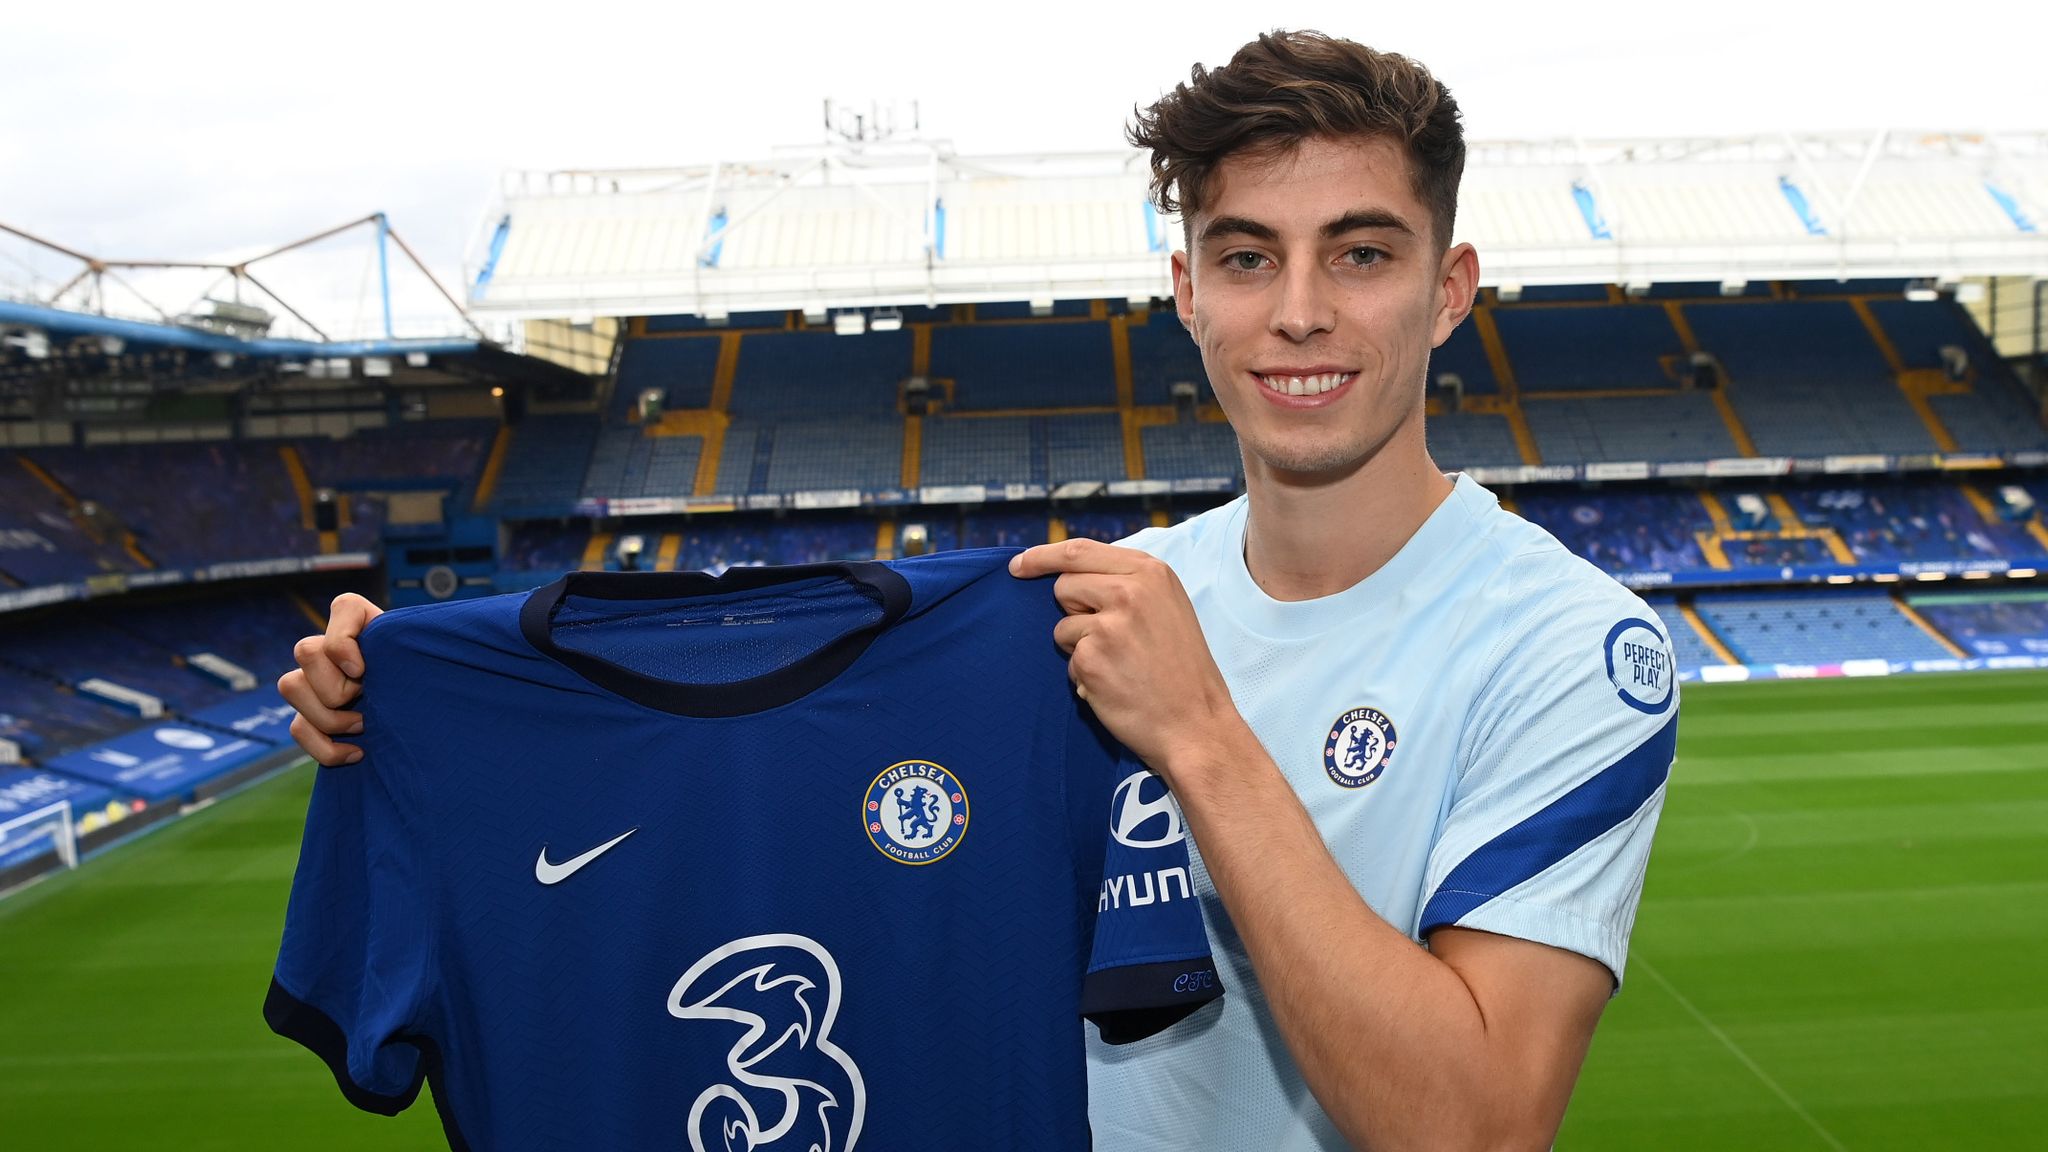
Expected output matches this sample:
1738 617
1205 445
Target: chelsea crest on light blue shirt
1481 730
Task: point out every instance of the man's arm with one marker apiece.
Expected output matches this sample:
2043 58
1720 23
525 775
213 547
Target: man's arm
1476 1044
327 681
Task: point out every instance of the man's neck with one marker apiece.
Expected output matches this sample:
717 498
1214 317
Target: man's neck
1306 540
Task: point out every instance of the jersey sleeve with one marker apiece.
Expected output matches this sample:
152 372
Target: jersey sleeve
1562 779
354 971
1149 966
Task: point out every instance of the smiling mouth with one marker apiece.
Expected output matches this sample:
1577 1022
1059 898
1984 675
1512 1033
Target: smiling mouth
1314 385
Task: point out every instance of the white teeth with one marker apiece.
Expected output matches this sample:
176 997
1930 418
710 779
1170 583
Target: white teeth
1305 385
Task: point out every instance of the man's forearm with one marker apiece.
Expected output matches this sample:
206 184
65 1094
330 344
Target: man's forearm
1389 1038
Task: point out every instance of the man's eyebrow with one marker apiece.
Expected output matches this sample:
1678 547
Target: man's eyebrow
1365 218
1237 226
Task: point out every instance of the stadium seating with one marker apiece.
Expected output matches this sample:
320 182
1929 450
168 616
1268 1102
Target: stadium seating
40 543
1890 522
1687 648
1190 450
1668 426
1584 349
1992 624
1468 440
1815 628
806 375
46 719
1162 354
993 450
1106 525
1993 415
627 463
1807 379
1638 532
250 510
682 368
545 465
1464 356
1025 365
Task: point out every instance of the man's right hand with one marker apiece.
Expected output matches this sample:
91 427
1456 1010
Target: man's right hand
328 681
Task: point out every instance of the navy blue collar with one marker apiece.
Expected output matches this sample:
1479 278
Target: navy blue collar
881 584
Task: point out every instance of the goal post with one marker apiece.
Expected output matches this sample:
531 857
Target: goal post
53 820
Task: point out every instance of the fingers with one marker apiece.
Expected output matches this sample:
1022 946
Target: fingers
320 748
327 687
1091 592
298 692
346 618
1077 555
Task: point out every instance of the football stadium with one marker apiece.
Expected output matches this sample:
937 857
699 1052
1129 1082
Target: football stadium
1790 389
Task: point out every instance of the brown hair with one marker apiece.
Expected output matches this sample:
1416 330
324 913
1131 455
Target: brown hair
1285 87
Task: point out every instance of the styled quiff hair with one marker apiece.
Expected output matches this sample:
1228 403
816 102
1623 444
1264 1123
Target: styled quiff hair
1286 87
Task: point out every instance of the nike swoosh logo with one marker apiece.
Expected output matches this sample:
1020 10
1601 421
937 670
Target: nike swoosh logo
548 873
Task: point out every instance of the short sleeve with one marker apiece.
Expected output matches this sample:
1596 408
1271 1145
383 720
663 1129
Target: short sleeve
1150 965
354 971
1562 780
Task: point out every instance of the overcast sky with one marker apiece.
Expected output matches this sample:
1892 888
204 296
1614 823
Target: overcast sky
204 130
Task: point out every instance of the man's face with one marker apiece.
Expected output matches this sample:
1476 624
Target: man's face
1315 291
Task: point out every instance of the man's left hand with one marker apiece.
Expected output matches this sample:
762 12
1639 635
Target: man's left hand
1137 654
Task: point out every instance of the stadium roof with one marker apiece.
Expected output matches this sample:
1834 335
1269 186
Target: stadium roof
915 223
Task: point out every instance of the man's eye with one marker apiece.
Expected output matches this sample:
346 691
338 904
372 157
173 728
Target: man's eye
1364 257
1243 261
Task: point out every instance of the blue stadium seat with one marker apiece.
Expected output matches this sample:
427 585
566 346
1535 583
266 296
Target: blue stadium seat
1599 347
1026 365
1816 628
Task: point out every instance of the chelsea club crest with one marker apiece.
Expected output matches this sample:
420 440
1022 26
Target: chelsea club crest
915 812
1360 747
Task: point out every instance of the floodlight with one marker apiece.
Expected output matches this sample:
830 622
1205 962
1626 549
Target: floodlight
112 345
417 359
717 317
850 323
1041 305
1637 288
886 320
815 313
223 360
1921 291
1734 287
497 393
1509 293
376 367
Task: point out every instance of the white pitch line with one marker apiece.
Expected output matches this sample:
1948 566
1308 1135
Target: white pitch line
1748 1063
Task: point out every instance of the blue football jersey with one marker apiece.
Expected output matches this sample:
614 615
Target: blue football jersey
816 857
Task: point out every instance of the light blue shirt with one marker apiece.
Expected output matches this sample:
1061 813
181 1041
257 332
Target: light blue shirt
1481 731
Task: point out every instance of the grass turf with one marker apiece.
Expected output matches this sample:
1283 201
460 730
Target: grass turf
1839 947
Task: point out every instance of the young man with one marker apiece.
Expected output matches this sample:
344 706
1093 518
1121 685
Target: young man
1419 747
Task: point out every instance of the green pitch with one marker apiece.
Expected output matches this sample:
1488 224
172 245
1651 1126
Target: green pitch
1840 947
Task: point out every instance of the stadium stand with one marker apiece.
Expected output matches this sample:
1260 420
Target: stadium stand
1671 426
1190 450
1464 356
250 511
683 369
1687 647
1815 628
40 541
992 450
1898 521
545 466
1471 440
1988 412
1162 354
46 718
1990 624
805 375
627 463
1626 346
1638 532
1106 525
1041 364
1807 379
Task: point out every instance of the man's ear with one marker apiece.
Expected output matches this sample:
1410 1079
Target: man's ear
1184 291
1459 284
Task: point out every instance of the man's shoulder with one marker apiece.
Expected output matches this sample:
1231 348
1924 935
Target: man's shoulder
1544 592
1201 532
